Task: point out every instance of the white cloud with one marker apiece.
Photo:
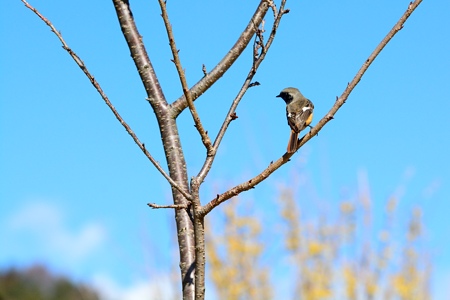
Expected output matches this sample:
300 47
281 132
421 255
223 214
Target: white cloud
441 285
41 227
42 231
159 287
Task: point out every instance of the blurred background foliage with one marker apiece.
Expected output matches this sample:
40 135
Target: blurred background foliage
347 254
37 283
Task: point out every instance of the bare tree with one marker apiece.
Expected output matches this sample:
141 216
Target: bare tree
189 210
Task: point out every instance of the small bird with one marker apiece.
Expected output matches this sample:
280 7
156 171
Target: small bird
299 114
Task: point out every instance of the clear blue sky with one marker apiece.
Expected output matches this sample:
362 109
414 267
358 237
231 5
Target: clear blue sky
74 187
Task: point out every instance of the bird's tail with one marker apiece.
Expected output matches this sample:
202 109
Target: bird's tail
292 145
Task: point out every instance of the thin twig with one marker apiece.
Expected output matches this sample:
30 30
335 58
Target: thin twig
245 186
258 42
173 206
97 86
187 94
274 8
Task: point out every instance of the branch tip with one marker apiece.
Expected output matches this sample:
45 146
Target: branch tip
174 206
254 84
204 70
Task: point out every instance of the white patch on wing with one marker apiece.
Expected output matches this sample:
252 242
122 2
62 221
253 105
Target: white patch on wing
306 108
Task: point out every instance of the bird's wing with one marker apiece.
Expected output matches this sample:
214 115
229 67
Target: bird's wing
297 120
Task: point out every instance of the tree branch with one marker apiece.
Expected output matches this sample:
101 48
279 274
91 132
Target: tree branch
227 61
176 59
329 116
156 206
199 229
105 98
257 60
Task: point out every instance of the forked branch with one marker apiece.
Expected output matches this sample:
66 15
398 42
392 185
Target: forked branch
231 115
227 61
249 184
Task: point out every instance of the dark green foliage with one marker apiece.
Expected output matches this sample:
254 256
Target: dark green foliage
36 283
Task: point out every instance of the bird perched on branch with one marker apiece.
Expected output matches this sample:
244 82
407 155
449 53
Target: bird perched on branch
299 114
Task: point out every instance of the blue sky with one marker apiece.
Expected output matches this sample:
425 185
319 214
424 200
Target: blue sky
74 187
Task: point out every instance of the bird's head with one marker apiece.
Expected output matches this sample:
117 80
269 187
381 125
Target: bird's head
288 94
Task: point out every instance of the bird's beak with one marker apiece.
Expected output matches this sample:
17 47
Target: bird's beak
278 95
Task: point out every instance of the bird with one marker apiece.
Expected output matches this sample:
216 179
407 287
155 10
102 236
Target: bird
299 114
